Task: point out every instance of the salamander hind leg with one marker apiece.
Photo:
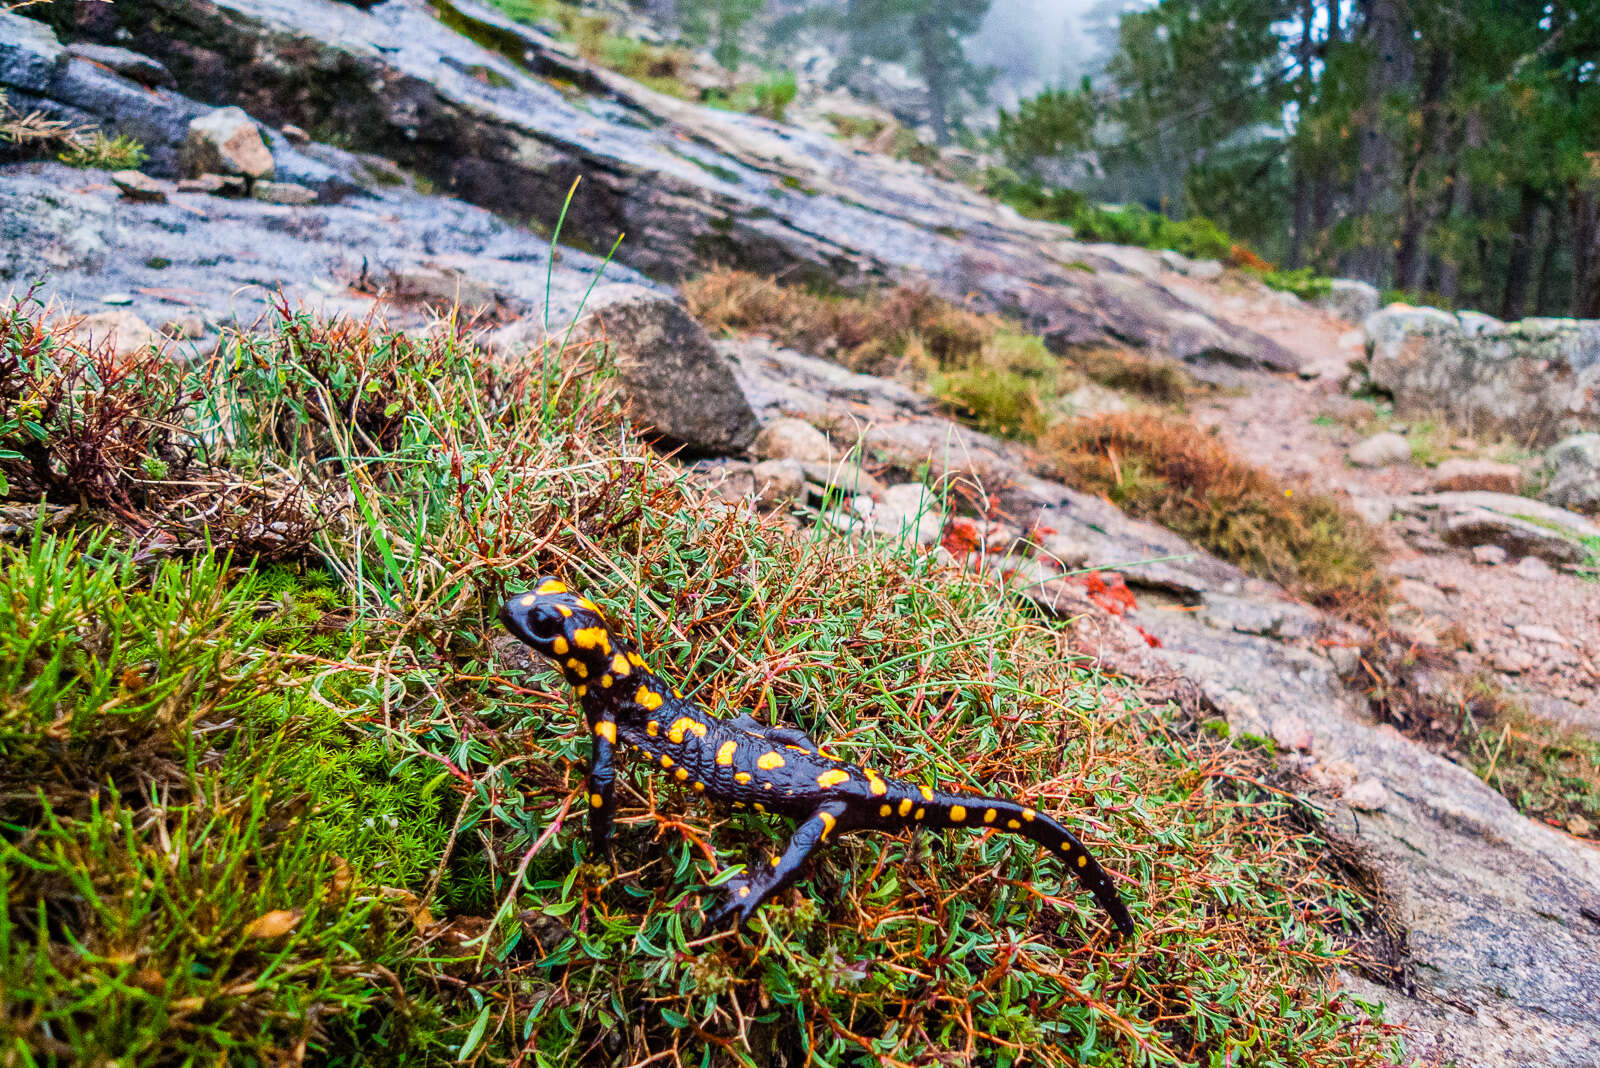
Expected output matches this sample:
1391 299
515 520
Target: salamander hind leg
749 891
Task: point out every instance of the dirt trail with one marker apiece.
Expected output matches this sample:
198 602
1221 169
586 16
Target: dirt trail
1536 630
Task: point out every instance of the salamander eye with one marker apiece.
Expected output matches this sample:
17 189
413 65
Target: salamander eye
537 619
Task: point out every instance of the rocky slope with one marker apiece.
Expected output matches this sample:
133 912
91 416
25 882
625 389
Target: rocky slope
508 123
1489 938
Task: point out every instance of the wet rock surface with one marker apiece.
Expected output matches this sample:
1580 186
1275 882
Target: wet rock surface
228 260
690 186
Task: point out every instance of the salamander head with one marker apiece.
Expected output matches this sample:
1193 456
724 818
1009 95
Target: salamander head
564 626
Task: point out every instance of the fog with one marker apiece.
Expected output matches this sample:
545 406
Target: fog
1040 43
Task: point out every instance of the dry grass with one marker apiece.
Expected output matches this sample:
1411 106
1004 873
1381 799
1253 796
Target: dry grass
1185 479
868 333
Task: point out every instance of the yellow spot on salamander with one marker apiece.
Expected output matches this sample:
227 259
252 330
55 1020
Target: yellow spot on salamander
927 792
685 725
636 660
743 778
905 808
699 787
605 681
744 891
582 691
619 666
958 813
564 610
527 600
677 693
769 762
776 860
595 800
558 645
584 602
578 667
592 638
988 817
549 586
666 761
883 811
875 784
1028 814
652 728
833 777
1083 860
725 753
647 698
827 822
681 774
607 730
1014 825
759 807
918 814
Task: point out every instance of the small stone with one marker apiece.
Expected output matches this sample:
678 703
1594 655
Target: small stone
909 509
1489 555
213 185
1381 450
1375 510
134 66
1512 660
1534 569
1292 732
119 300
1477 475
793 439
779 483
225 141
1538 632
1368 795
846 475
184 328
1346 659
283 193
124 331
1579 826
140 187
295 134
1062 549
1574 466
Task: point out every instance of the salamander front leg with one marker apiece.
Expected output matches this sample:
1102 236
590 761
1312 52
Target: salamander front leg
747 892
602 776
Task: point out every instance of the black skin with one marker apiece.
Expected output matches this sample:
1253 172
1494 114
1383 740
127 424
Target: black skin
743 763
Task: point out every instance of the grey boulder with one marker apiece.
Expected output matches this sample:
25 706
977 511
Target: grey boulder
672 380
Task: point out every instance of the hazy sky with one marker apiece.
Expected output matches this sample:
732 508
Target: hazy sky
1035 43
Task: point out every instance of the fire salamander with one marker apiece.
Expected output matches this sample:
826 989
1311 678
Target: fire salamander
739 761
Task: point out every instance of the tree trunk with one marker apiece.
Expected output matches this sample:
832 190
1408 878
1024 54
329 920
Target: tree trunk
1421 206
935 72
1519 261
1585 214
1375 199
1460 207
1300 222
1544 298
